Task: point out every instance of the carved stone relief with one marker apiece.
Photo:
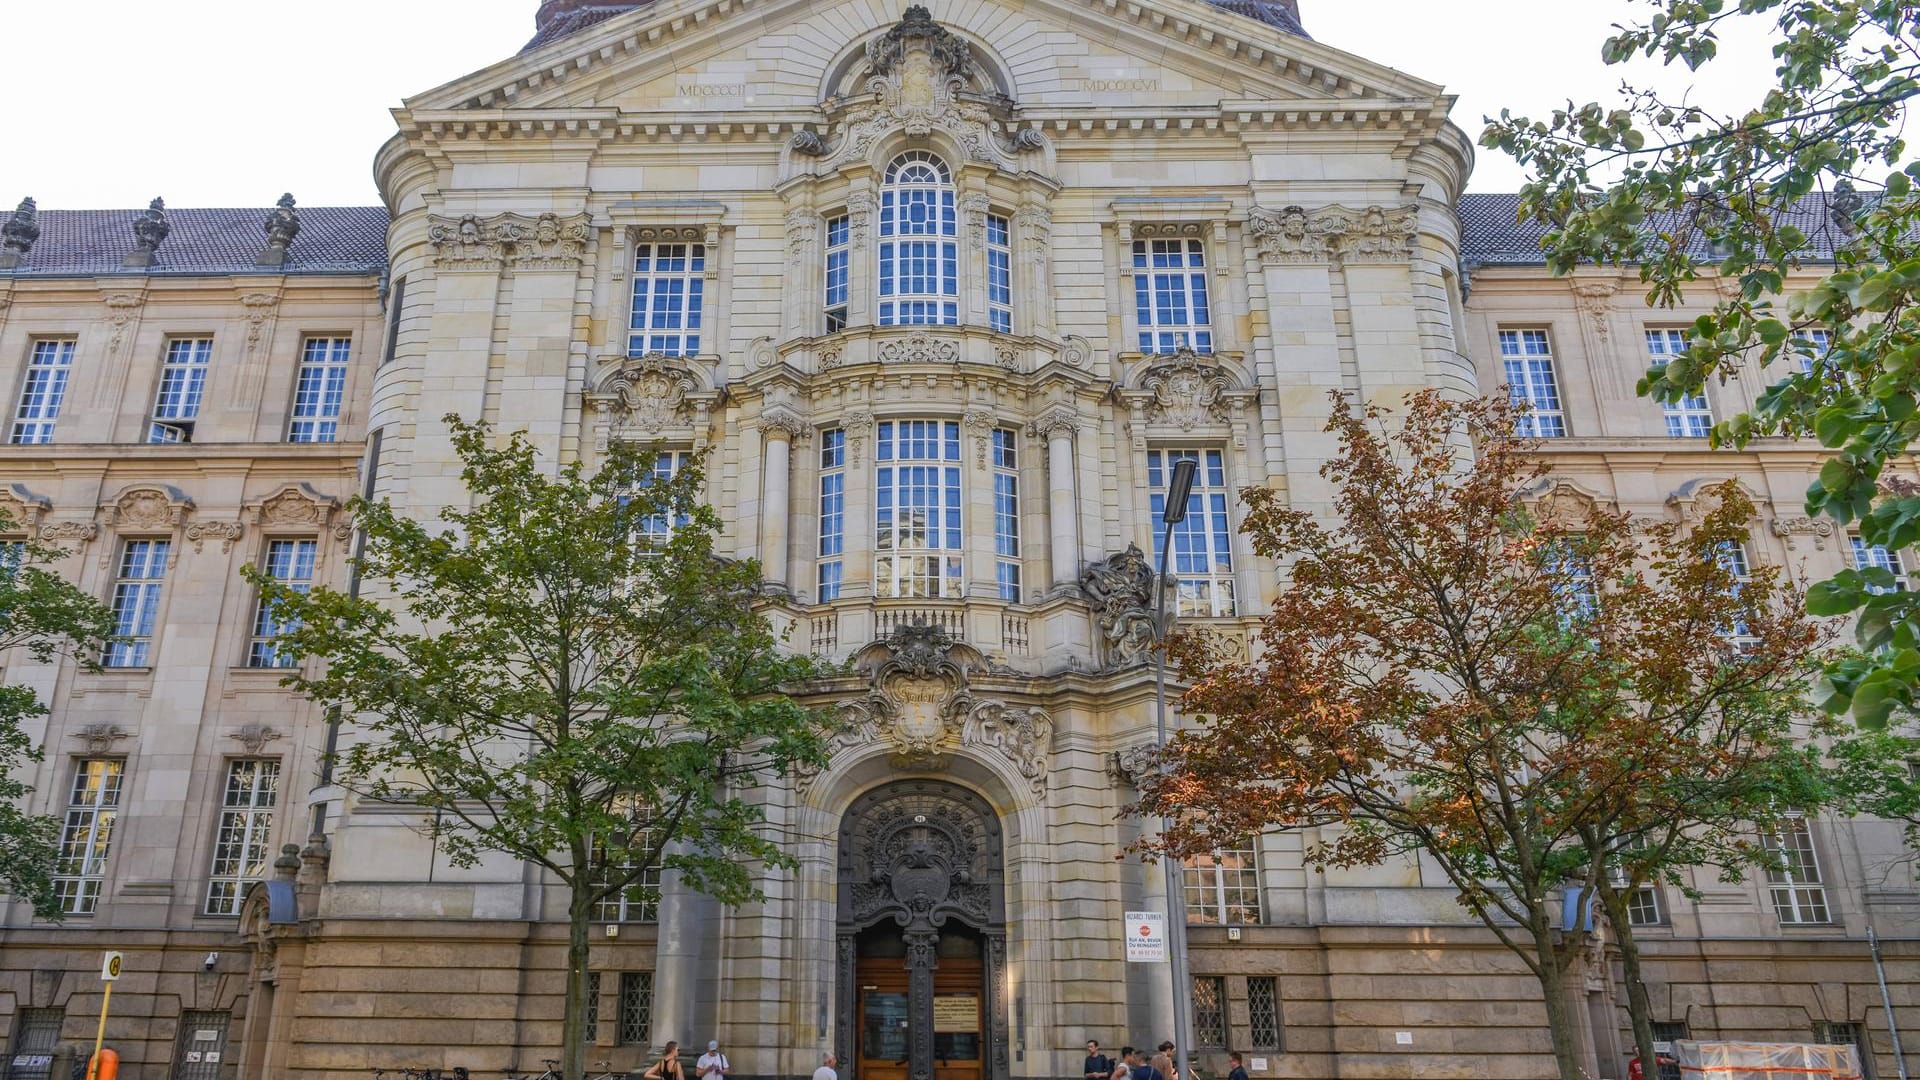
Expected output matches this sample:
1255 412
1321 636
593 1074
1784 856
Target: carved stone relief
546 242
1120 590
99 738
1820 528
1188 391
920 348
294 505
226 532
1295 234
159 507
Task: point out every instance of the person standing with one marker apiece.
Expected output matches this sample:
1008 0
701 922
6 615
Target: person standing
825 1071
1123 1068
668 1067
1239 1071
713 1065
1099 1066
1163 1061
1144 1071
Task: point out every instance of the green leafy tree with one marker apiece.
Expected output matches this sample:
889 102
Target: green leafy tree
1684 193
46 616
568 675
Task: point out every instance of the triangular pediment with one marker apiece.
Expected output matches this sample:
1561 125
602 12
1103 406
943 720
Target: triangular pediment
778 56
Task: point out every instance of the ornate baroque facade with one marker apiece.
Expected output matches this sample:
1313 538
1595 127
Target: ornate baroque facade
944 292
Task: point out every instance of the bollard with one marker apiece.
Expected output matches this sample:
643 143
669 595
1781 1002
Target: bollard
104 1066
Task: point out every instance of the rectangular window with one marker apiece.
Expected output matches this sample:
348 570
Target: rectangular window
1263 1012
1529 372
1734 558
1202 557
590 1029
1799 898
241 842
1210 1012
1690 417
35 1034
86 834
1006 513
1643 906
1874 557
1570 571
183 383
639 899
136 601
1170 296
1854 1035
837 249
657 529
1224 887
833 514
669 282
320 390
917 532
394 305
1809 347
919 253
636 1008
43 391
289 562
999 275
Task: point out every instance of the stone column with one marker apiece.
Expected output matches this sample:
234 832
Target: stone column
778 429
1057 425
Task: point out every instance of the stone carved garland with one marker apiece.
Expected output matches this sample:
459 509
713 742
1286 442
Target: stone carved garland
1188 391
226 532
295 504
921 707
920 348
471 242
1120 590
99 738
1820 528
1295 234
160 507
653 394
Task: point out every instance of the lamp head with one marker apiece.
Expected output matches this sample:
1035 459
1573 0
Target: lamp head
1179 486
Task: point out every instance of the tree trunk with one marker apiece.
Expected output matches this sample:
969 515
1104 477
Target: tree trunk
573 1026
1639 1004
1553 992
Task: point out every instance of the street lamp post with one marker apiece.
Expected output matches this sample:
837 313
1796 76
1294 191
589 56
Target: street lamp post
1179 486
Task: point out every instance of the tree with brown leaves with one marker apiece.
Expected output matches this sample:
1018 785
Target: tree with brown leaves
1553 708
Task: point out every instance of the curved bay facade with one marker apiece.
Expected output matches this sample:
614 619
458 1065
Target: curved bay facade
943 293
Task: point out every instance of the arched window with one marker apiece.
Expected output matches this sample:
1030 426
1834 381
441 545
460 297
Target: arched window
919 251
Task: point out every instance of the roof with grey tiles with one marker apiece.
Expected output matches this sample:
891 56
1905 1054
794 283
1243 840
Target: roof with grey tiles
332 240
1493 235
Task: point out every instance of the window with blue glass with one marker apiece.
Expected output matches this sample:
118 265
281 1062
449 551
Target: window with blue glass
919 249
183 383
657 529
837 249
999 275
136 602
290 563
1689 417
833 514
669 282
320 390
1170 296
917 532
1006 513
1875 557
1528 361
1201 561
43 392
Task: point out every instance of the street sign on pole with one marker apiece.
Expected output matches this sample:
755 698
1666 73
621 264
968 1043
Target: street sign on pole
109 974
110 967
1146 937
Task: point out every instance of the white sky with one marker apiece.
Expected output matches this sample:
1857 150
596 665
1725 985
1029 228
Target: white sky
231 102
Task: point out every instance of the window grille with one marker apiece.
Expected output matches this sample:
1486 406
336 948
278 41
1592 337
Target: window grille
669 283
320 391
636 1008
136 601
36 1032
999 275
1210 1012
1263 1012
289 562
1224 887
1847 1034
590 1029
917 509
241 843
1006 513
43 392
183 384
1170 296
833 514
1202 557
92 807
919 252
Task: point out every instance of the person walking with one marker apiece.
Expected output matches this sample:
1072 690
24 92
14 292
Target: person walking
1239 1071
668 1067
825 1071
713 1065
1098 1066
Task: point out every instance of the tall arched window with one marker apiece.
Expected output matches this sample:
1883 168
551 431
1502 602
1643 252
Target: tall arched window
919 251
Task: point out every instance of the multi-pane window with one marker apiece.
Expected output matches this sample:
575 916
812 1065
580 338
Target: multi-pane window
13 555
43 391
1570 571
136 601
1855 1035
1006 514
1263 1012
1809 346
917 544
590 1030
657 529
1643 906
91 808
636 1008
919 248
240 843
1223 887
289 562
320 391
183 383
1170 296
837 250
1798 894
1528 360
639 899
833 514
1874 557
1733 558
669 283
1690 417
1210 1012
999 275
1202 557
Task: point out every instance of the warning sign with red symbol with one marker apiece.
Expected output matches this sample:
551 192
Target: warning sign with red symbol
1146 937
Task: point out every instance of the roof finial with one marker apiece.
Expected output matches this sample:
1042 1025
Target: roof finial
283 224
19 233
150 230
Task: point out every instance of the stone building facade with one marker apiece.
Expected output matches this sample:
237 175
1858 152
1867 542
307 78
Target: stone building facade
943 292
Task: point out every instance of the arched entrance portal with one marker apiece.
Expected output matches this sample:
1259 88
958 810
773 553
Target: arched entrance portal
922 936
